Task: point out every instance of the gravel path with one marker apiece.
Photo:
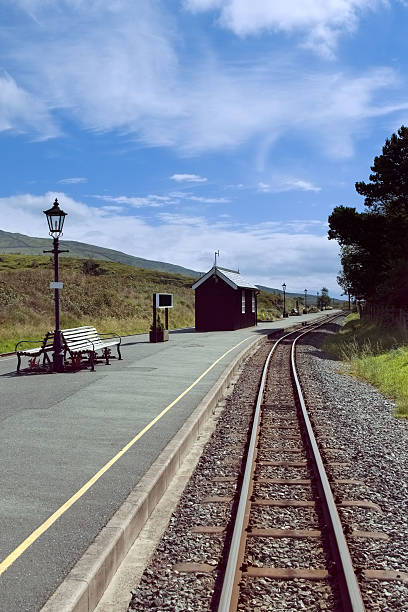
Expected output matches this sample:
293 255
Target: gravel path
351 417
359 421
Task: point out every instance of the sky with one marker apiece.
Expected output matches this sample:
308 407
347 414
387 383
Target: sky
170 129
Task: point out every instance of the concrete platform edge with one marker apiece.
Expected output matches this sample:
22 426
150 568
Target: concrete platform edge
83 587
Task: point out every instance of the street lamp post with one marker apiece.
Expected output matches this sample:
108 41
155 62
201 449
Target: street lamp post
284 300
55 218
306 301
318 301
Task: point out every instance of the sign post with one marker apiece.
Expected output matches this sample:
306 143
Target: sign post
162 301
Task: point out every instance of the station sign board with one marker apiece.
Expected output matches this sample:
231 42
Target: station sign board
164 300
56 285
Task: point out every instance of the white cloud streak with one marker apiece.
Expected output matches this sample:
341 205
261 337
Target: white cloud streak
265 253
118 67
320 21
188 178
23 112
157 201
280 184
73 181
150 201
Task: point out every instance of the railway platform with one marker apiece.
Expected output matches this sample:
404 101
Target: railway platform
80 448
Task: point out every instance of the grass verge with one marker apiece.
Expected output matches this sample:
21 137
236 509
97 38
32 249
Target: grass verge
376 354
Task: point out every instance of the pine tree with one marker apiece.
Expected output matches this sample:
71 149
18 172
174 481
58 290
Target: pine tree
374 243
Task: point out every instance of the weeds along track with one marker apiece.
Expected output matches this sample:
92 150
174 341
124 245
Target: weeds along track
258 529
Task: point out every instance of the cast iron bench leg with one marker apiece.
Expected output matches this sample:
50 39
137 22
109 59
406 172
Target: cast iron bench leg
106 355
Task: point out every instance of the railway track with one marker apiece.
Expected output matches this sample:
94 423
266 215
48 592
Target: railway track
284 548
282 428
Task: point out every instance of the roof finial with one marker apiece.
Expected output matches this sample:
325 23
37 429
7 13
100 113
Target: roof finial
216 254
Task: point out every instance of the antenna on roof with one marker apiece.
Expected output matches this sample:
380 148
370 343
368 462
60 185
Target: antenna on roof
216 254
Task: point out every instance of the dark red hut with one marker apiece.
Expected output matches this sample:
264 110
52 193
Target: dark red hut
224 300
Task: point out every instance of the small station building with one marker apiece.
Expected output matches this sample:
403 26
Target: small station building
224 300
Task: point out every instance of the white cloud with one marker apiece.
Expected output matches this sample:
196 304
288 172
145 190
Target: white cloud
281 184
24 112
73 181
321 21
183 195
188 178
118 66
150 200
302 185
204 200
265 253
156 201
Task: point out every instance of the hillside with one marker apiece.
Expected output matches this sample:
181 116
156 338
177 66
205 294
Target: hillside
27 245
113 297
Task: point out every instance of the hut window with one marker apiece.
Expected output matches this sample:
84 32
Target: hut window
243 301
253 302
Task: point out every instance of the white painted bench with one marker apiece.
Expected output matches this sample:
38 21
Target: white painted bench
78 341
34 352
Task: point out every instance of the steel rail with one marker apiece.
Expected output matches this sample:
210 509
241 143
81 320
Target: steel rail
231 568
351 595
230 571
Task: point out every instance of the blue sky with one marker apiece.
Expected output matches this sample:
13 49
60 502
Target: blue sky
171 129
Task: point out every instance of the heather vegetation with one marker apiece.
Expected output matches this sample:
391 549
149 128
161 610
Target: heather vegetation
376 354
111 296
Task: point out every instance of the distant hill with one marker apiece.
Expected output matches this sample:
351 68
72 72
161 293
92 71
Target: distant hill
311 299
27 245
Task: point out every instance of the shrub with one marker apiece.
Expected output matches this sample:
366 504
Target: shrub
93 268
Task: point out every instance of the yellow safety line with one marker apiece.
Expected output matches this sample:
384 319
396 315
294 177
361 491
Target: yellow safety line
17 552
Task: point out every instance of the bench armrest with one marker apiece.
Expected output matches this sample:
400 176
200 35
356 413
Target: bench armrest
28 341
111 335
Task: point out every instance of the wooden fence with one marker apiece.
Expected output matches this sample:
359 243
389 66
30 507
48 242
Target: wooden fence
386 315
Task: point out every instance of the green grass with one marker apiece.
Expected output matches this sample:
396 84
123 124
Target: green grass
376 354
117 299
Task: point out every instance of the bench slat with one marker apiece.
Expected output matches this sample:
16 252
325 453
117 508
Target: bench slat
76 340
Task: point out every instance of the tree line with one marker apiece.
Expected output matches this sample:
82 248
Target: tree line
374 243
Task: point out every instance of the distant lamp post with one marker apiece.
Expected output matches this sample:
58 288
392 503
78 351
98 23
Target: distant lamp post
285 314
305 301
318 301
55 218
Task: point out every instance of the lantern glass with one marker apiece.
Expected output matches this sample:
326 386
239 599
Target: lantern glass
284 286
55 218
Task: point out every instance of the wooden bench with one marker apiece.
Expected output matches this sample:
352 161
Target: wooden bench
44 349
80 341
77 342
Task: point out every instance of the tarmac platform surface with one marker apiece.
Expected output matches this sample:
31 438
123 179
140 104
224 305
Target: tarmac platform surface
58 430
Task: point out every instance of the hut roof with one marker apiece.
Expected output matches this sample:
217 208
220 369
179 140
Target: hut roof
231 277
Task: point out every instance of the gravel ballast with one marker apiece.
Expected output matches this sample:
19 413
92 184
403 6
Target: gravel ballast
356 425
360 423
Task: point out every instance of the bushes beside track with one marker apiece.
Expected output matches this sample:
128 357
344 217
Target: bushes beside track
376 354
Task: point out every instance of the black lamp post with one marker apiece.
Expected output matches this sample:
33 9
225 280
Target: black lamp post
55 218
284 300
306 301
